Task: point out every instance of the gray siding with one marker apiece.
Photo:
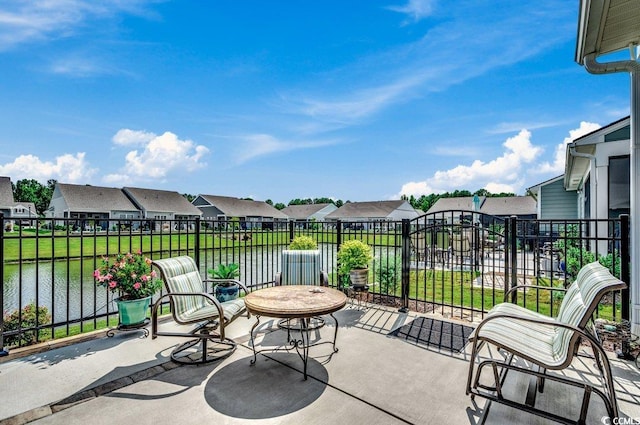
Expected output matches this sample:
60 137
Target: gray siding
557 203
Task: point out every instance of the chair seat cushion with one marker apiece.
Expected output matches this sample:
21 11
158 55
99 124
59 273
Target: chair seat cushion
231 309
532 341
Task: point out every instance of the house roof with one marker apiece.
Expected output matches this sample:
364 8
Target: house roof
606 26
536 188
6 192
303 211
161 201
578 152
463 203
500 206
374 209
94 198
234 207
512 205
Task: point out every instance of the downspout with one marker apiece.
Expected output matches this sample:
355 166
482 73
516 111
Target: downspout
633 68
592 158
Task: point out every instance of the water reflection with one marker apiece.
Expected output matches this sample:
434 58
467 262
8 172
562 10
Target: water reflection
67 289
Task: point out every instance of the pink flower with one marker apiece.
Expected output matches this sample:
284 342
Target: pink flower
113 284
144 277
136 285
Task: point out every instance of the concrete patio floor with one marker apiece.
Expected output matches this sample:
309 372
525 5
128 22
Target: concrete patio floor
373 379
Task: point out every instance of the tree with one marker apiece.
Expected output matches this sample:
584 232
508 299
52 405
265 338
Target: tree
280 206
189 197
269 201
30 190
323 201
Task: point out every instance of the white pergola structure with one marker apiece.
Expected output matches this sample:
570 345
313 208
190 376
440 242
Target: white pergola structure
604 27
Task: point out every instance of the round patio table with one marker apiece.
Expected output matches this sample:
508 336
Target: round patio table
295 302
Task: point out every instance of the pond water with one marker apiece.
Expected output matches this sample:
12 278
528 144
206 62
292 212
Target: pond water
69 292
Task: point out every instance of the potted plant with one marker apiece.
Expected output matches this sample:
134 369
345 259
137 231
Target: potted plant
354 257
131 276
225 276
304 243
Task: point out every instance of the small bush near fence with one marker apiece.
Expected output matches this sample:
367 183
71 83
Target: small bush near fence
28 318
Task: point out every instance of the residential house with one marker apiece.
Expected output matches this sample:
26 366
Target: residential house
308 212
597 168
248 213
23 213
553 201
375 211
454 210
163 207
91 206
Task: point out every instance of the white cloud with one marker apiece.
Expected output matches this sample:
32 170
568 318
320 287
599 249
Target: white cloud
160 155
256 145
116 179
361 103
557 167
67 168
500 188
510 127
84 65
416 9
126 137
503 174
500 37
22 22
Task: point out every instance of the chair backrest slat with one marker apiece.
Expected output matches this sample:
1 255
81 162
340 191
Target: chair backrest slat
300 267
581 300
180 274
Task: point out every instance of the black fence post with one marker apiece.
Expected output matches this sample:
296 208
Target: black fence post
506 246
291 230
624 266
513 257
196 244
3 352
338 243
406 264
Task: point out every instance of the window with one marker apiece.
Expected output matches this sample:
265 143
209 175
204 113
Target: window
619 186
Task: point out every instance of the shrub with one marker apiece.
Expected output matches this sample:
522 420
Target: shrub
302 242
388 272
354 254
25 319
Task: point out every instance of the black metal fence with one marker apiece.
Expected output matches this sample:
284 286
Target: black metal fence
457 263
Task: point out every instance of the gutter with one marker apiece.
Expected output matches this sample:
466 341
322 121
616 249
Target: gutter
592 158
595 67
633 68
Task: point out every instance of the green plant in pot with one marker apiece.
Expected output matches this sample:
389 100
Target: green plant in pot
225 276
354 257
131 277
304 243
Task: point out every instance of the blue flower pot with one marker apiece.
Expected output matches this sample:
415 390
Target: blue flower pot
133 312
226 293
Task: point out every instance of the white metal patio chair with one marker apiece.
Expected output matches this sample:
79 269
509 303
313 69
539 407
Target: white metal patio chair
301 267
192 305
545 344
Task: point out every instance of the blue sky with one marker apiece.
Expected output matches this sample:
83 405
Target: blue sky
356 100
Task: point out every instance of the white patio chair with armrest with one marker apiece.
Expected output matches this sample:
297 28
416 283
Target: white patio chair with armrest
546 344
301 267
192 305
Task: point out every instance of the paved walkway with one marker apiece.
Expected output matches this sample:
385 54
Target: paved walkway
374 379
